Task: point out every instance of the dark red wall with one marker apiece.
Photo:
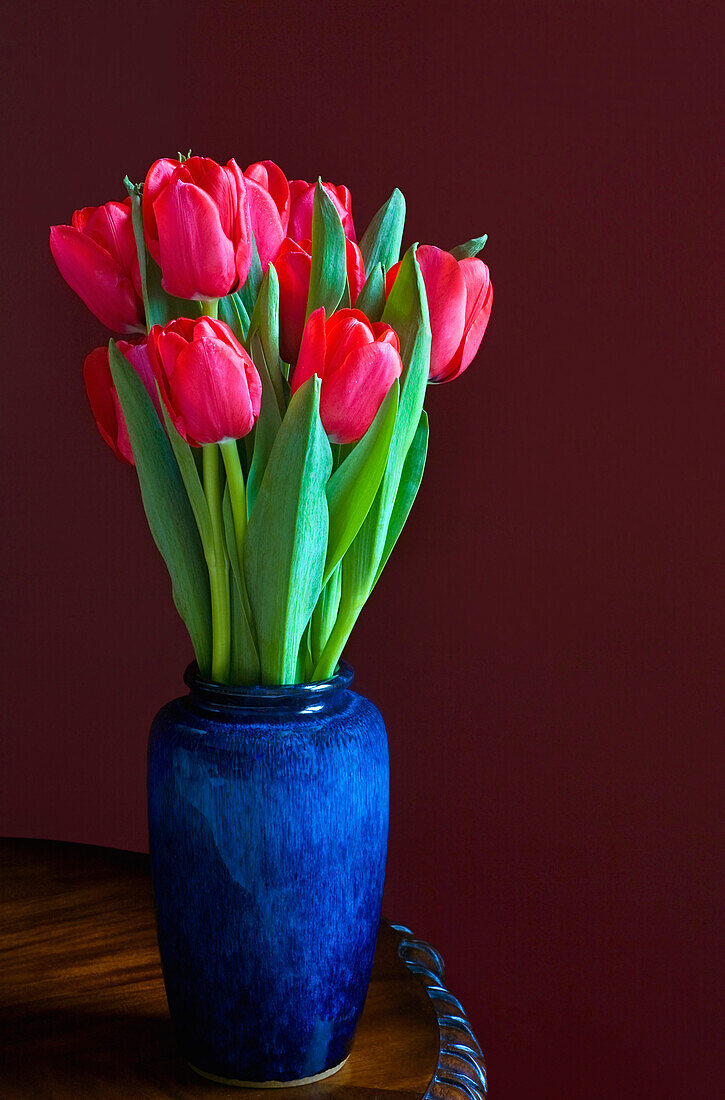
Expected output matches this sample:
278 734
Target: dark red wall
547 642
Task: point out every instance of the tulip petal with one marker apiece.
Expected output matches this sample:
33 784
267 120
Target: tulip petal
355 269
352 395
479 303
385 334
266 223
169 346
138 357
105 405
271 177
343 196
218 184
446 292
345 332
197 258
293 267
242 232
311 359
97 279
211 392
157 177
111 226
216 330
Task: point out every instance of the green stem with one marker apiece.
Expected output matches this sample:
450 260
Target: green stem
210 308
218 568
332 652
237 491
238 500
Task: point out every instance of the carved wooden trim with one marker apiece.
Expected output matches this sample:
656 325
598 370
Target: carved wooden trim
461 1070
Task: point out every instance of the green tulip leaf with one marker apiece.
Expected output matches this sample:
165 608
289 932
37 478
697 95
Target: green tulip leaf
352 488
410 479
169 513
232 312
286 542
248 293
371 299
192 482
267 426
265 321
160 307
407 311
470 248
382 238
328 275
324 616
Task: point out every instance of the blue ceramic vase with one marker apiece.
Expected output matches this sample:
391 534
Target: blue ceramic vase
268 825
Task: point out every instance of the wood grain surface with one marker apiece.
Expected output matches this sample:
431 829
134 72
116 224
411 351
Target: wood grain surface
82 1005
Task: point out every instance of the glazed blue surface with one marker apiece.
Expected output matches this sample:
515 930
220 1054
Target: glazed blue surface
268 823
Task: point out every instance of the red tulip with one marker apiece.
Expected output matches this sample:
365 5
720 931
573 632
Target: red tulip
357 360
302 196
103 398
460 298
293 266
269 203
197 226
208 382
96 255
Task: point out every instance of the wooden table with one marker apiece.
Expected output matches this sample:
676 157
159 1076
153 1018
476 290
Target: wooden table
83 1012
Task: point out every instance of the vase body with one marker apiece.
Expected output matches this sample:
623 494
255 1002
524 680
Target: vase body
268 824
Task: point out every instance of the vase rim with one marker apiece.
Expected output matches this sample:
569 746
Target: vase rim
266 695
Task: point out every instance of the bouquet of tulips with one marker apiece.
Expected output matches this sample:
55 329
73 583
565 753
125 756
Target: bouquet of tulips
269 390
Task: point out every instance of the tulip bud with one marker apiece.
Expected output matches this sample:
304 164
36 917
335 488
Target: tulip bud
103 398
357 360
197 226
269 203
460 299
96 255
302 197
293 266
208 382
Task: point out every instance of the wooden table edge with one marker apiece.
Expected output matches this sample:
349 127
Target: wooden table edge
460 1072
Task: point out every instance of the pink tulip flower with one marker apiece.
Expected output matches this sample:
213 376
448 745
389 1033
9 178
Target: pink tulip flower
103 398
208 382
269 204
302 195
460 299
197 226
293 266
357 361
96 255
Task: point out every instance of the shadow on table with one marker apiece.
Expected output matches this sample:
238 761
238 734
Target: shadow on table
76 1055
86 1054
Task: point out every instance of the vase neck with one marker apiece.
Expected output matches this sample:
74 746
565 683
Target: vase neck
293 698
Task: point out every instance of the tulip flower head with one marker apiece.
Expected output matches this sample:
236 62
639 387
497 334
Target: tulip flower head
197 226
357 361
293 266
269 205
302 197
96 255
208 382
103 398
460 299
